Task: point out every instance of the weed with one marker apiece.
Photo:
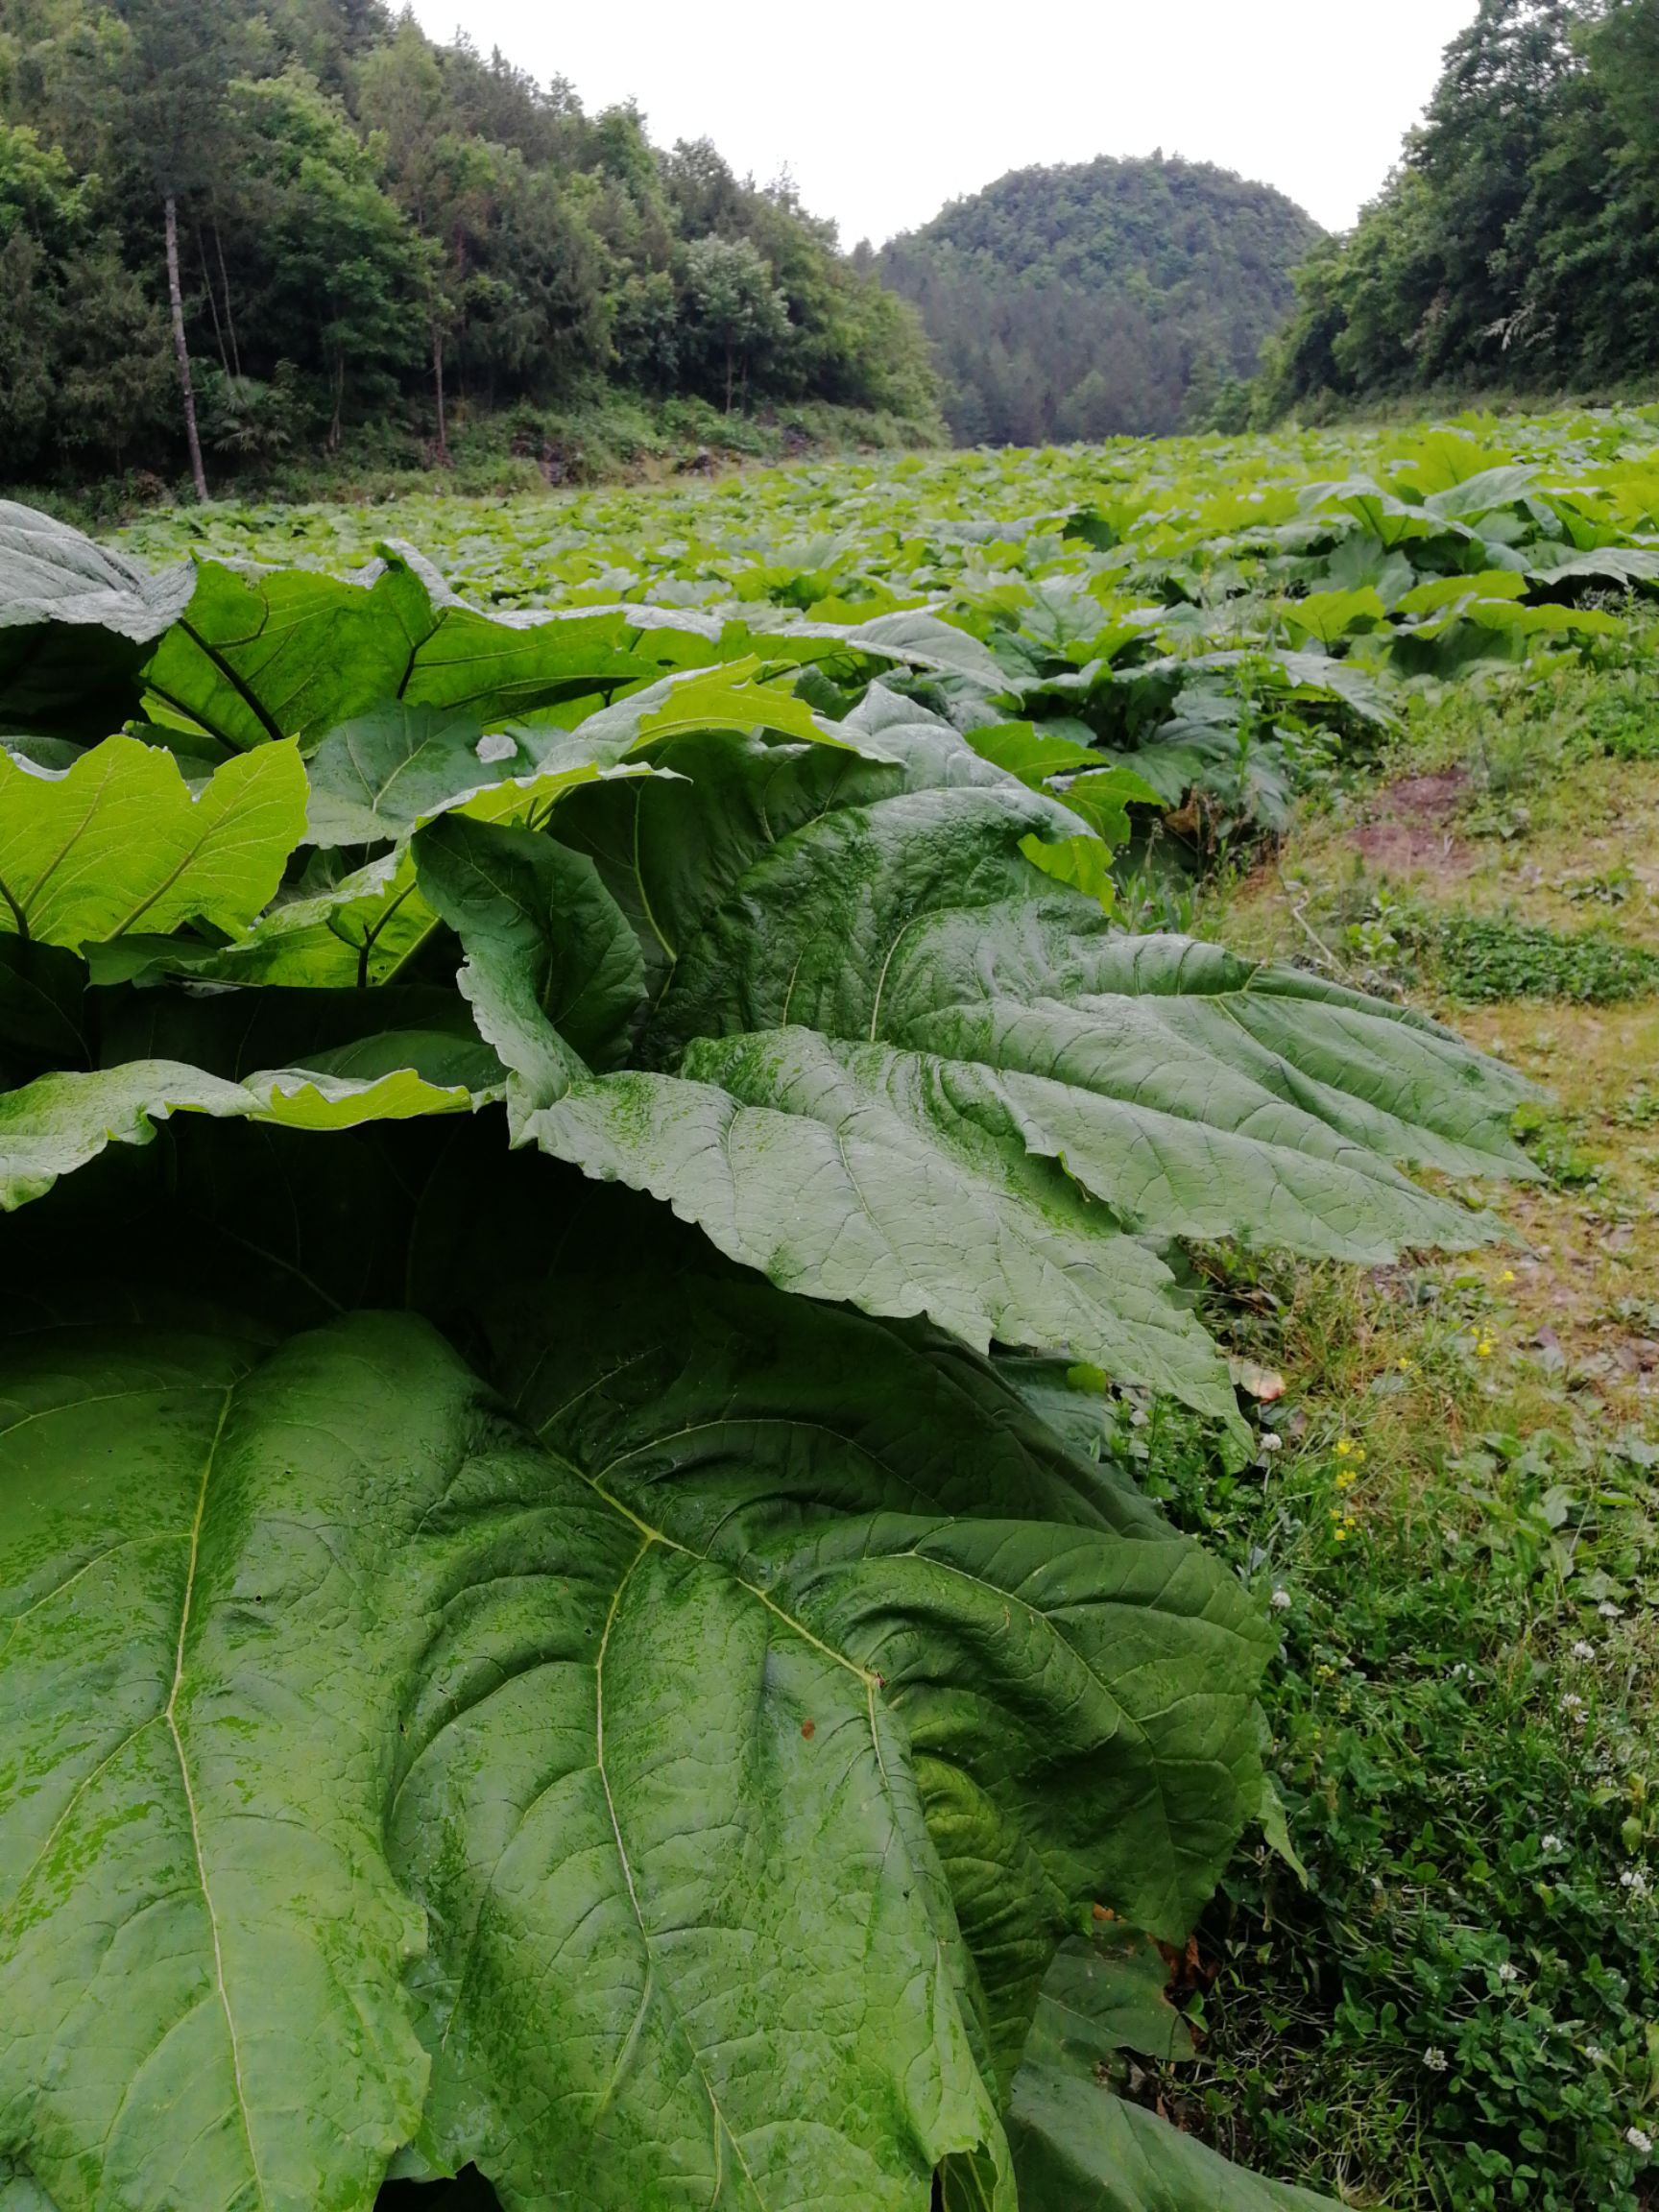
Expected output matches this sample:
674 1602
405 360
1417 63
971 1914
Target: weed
1480 958
1453 2013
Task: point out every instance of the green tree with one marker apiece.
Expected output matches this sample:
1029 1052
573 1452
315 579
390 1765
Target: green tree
734 313
340 283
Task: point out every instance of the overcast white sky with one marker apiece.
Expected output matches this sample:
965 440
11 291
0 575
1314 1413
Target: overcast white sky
884 113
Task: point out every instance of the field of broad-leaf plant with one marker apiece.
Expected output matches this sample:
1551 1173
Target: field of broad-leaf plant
765 1432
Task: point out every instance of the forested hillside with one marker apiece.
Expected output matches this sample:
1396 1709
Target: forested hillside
1516 243
1108 296
291 220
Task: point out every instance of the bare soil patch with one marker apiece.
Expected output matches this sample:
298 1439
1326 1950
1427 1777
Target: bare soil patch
1408 828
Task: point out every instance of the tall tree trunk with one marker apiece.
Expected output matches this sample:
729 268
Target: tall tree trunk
181 350
438 386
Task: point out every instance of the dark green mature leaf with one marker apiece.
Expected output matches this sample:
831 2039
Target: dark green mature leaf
376 778
633 1720
849 1173
821 1451
121 842
290 653
206 1856
764 1538
259 656
1103 1995
42 998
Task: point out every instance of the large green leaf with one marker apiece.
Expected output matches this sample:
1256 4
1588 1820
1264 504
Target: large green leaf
888 1064
50 574
258 656
847 1172
376 779
120 842
285 655
633 1719
821 1451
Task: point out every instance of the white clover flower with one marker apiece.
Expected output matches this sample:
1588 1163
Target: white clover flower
1573 1705
1459 1673
1635 1881
1639 2139
1584 1649
1270 1442
1508 1973
1434 2058
1280 1601
1550 1846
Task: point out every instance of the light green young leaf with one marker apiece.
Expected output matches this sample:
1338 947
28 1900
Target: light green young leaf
120 842
1085 863
1027 750
1448 591
1103 799
729 697
1327 615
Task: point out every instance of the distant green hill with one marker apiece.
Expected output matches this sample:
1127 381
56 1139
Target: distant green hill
1112 296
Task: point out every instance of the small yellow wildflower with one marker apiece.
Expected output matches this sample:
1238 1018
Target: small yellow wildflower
1347 1478
1507 1276
1484 1350
1344 1445
1340 1534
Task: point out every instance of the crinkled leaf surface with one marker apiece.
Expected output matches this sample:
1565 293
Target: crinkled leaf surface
818 1427
120 842
645 1724
50 574
887 1064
